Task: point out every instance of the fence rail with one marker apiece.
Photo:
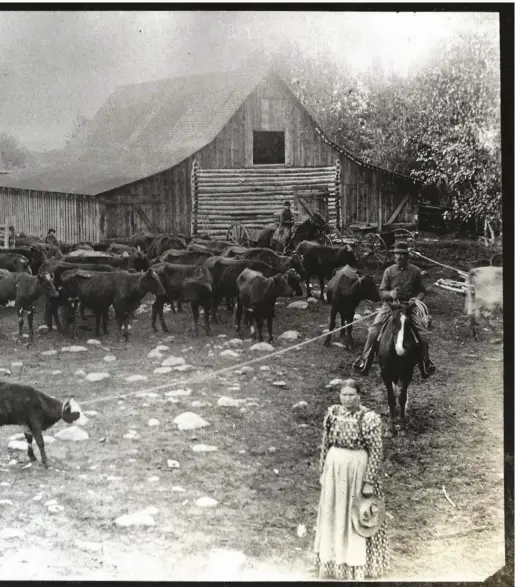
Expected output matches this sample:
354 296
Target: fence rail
74 217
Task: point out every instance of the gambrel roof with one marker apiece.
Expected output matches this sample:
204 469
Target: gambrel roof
144 129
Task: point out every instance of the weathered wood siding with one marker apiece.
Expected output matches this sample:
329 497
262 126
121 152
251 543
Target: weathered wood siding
164 199
74 217
271 107
360 197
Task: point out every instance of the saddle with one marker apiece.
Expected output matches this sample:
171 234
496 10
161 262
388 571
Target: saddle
383 328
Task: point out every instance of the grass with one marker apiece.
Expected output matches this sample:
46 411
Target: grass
264 474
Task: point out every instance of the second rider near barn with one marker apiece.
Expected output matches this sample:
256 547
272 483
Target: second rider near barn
403 282
283 233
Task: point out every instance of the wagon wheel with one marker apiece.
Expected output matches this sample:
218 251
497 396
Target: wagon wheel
238 234
371 250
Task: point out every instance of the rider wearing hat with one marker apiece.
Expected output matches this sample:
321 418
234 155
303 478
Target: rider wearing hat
401 282
283 232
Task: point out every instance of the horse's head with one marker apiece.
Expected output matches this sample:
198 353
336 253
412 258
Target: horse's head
401 326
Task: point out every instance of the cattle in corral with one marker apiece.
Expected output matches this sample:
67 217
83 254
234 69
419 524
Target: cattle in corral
123 290
164 242
143 240
321 261
280 262
29 288
233 251
214 246
184 257
15 262
136 262
65 300
184 283
257 295
346 289
36 254
484 296
225 272
119 249
193 246
7 286
23 405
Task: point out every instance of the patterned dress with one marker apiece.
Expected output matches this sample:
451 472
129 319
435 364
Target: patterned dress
352 452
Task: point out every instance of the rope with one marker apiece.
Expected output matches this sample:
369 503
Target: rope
207 376
421 312
459 271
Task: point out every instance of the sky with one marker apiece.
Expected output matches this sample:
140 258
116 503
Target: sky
56 65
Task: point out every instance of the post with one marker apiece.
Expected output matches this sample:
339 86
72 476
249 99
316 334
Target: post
380 210
194 197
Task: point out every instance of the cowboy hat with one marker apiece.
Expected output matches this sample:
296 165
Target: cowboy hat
368 513
286 203
400 247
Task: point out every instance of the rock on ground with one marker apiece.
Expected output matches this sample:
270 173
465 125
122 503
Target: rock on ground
299 305
49 353
73 349
155 354
109 358
262 346
279 383
300 405
93 341
228 402
334 382
206 502
80 372
178 392
161 370
72 433
184 368
290 335
173 362
141 518
203 448
190 421
234 342
97 376
173 464
229 353
153 422
135 378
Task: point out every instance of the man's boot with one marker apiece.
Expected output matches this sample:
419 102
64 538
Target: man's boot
425 365
364 363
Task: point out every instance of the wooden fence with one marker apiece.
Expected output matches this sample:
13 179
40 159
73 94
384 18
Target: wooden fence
254 196
74 217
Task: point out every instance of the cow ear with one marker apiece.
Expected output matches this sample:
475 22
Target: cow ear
138 248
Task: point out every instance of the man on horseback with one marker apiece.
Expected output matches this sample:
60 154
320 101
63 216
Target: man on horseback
402 282
283 233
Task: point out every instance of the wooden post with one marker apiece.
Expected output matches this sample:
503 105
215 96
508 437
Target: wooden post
194 197
380 209
338 193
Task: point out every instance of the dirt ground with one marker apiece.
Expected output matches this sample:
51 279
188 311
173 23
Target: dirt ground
264 473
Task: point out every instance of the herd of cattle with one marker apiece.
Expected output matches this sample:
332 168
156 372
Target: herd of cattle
177 269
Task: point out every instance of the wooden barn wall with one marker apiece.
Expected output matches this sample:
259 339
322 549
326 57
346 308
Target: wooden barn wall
164 198
74 217
361 189
269 108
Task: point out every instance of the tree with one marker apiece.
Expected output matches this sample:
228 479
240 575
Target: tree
12 154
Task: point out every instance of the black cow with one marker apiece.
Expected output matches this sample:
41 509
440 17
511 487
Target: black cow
214 246
225 272
28 289
184 257
136 262
57 267
346 289
163 242
121 289
36 254
15 262
257 294
184 283
279 262
321 261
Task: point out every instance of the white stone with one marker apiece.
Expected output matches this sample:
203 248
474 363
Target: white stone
234 342
18 445
178 392
91 413
300 405
234 388
190 421
162 370
199 404
7 533
290 335
93 341
299 305
48 439
178 489
56 372
153 422
6 502
184 368
264 368
334 382
279 383
151 511
173 464
229 353
206 502
338 344
55 509
38 497
153 479
136 519
247 369
228 402
48 353
132 378
262 346
210 354
203 448
4 371
173 361
72 433
312 301
51 502
97 376
162 347
301 530
155 354
222 336
109 358
73 349
80 372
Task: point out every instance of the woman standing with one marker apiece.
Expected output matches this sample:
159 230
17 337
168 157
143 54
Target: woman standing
352 451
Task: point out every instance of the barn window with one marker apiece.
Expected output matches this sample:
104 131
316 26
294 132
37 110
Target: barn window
268 147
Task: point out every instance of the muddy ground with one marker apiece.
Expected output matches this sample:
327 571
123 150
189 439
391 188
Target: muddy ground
264 473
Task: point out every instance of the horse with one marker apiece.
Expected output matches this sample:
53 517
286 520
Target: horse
398 353
310 229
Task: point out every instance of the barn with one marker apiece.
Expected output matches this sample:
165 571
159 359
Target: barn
198 154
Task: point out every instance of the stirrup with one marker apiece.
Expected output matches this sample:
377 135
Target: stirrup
427 369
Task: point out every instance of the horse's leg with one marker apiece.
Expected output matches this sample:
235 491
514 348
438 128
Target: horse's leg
308 286
404 382
332 324
392 403
321 280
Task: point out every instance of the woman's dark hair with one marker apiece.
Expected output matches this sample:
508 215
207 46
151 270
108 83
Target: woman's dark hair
354 384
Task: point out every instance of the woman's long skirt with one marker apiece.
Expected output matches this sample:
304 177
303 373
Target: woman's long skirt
340 551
